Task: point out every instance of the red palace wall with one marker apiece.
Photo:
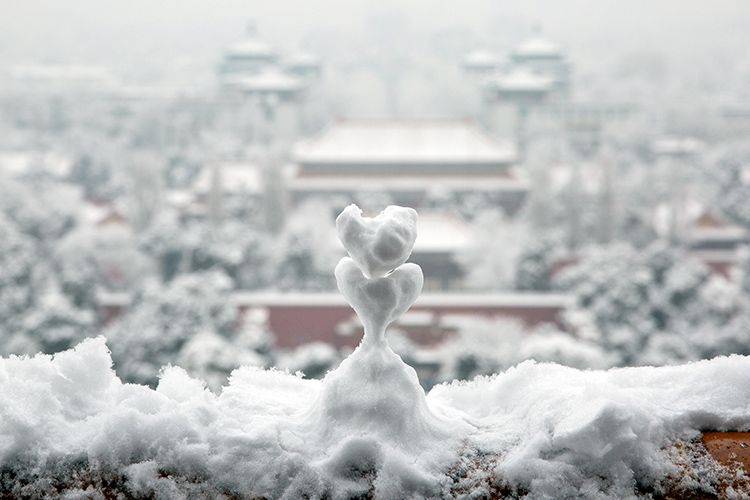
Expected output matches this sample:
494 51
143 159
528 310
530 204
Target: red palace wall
294 324
300 318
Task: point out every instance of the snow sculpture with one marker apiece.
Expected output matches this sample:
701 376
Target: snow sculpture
380 244
371 413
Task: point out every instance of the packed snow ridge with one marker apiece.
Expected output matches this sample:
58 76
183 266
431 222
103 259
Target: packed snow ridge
68 425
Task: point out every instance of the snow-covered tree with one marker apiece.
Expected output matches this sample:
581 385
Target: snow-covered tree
648 304
162 319
313 360
78 268
93 174
34 315
535 265
163 322
18 256
211 355
240 250
734 190
306 250
54 324
491 260
104 258
484 346
45 210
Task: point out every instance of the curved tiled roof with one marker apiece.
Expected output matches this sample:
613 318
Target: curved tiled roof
404 142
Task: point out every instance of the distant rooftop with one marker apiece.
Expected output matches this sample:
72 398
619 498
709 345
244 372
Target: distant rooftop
709 225
508 182
676 146
520 80
538 47
481 59
269 80
251 48
441 232
380 141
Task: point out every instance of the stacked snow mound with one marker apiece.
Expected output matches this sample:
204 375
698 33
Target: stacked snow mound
68 425
371 413
380 244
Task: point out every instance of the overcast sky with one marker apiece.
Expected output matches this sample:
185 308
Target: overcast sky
150 37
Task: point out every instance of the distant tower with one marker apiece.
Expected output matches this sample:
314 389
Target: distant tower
543 57
537 77
247 57
262 91
275 98
308 69
511 98
479 65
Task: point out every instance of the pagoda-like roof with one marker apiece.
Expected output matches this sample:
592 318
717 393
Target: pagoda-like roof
537 47
251 48
676 146
520 80
384 141
270 80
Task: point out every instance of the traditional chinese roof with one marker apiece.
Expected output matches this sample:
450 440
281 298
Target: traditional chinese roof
405 142
537 47
520 80
270 80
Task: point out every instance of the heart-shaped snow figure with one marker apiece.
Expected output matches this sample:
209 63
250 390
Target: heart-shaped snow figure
379 301
379 244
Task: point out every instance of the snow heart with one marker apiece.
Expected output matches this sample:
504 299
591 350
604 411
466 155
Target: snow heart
378 244
379 301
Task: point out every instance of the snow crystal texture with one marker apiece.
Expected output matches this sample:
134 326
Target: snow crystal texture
558 431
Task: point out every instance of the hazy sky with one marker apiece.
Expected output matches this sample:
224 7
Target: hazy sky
153 36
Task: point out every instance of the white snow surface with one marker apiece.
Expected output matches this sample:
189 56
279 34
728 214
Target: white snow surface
559 431
566 432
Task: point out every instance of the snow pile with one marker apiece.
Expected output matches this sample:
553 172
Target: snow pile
565 432
557 431
69 425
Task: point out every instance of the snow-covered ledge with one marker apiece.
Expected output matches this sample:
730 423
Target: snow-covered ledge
69 425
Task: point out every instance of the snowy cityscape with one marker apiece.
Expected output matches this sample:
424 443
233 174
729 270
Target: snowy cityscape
375 249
